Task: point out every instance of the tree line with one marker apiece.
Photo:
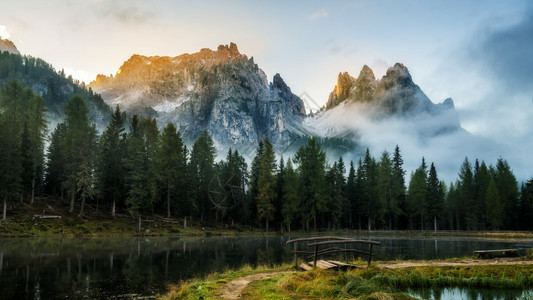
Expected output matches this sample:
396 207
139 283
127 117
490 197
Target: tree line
136 168
55 87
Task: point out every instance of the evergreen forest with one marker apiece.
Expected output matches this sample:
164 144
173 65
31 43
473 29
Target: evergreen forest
135 168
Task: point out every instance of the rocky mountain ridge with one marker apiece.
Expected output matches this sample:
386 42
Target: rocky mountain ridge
226 93
222 91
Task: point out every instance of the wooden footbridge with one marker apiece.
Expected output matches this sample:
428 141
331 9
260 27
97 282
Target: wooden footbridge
333 243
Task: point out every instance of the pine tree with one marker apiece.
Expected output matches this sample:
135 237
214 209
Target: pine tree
388 205
291 203
340 181
481 183
398 198
467 199
111 167
254 177
508 191
202 171
170 167
311 162
150 134
79 151
370 197
234 178
34 132
494 207
360 192
138 175
452 207
526 206
266 184
10 142
351 195
335 194
416 195
434 197
278 203
55 165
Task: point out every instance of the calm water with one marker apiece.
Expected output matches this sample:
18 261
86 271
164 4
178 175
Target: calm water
470 294
44 268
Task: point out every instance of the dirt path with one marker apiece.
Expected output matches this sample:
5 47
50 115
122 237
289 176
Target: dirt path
234 288
459 263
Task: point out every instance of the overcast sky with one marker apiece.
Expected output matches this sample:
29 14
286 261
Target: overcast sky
480 53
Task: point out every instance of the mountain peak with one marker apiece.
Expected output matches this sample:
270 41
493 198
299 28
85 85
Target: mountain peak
366 72
9 46
448 103
397 75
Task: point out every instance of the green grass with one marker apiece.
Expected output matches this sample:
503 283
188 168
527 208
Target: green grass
210 286
360 283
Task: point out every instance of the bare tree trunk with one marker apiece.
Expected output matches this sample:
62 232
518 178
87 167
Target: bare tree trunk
82 209
168 200
33 186
314 221
267 225
138 229
113 207
435 223
289 225
369 228
185 222
4 211
111 261
72 196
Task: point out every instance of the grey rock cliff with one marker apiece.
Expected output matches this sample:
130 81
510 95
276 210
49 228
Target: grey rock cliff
222 91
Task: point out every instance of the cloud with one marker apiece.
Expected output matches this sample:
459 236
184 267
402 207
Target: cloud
506 53
416 138
123 12
489 76
319 14
81 75
4 33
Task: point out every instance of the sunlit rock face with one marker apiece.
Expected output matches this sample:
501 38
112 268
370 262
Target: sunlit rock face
222 91
9 46
395 95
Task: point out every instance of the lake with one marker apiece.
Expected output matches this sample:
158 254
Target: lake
126 267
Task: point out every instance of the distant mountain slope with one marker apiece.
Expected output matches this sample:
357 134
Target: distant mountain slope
222 91
54 87
355 102
7 45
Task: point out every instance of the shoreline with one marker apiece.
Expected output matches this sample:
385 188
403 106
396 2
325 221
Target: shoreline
384 280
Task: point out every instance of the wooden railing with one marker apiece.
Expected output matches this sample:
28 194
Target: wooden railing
330 240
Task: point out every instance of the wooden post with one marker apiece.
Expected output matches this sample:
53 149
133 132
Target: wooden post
369 255
345 252
316 254
295 254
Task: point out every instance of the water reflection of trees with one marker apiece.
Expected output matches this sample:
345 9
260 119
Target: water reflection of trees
96 268
107 267
470 293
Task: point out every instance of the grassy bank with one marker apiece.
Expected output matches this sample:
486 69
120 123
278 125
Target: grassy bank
360 283
24 219
212 285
